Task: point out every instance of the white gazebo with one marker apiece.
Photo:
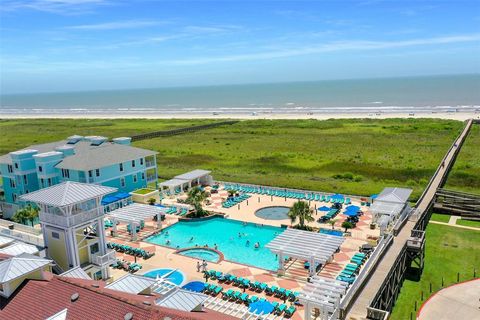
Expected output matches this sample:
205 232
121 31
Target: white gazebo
317 248
390 204
187 180
134 214
323 294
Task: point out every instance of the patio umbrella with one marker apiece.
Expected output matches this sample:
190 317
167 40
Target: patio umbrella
261 307
337 196
350 213
352 208
324 208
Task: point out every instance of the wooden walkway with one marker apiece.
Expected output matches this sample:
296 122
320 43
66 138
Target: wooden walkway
359 309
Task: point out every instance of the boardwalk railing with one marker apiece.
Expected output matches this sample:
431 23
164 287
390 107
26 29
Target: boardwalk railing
165 133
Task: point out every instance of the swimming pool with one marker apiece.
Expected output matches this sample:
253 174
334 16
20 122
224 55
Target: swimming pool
331 232
273 213
176 276
235 239
201 254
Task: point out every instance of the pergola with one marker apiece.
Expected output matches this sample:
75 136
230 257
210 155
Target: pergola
133 215
324 294
317 248
173 184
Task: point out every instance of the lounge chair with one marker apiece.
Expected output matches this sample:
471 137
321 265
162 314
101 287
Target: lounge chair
272 290
227 294
235 295
217 290
290 311
243 297
252 299
280 309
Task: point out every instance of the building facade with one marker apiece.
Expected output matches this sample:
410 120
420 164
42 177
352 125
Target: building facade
90 159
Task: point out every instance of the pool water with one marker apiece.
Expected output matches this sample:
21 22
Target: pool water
225 234
273 213
176 277
201 254
331 232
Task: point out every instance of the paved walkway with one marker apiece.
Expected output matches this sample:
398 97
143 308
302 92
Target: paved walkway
454 225
453 220
372 286
460 301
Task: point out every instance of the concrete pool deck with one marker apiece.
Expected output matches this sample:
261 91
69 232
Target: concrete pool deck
296 274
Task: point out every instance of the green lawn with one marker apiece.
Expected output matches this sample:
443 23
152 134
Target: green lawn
440 217
348 156
469 223
465 175
449 250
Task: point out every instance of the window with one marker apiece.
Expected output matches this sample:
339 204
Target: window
42 183
14 196
12 183
121 167
122 181
90 173
133 163
10 168
16 165
94 248
49 182
65 173
134 178
143 175
141 161
40 169
97 172
55 235
25 181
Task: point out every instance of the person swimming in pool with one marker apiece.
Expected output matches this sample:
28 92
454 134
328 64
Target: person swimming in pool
247 243
257 245
239 235
168 242
166 233
191 239
215 246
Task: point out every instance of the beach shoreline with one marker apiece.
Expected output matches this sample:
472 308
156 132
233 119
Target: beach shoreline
460 116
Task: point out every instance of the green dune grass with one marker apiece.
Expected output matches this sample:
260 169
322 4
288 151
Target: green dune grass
349 156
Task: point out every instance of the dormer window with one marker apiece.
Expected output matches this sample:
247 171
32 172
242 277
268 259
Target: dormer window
133 163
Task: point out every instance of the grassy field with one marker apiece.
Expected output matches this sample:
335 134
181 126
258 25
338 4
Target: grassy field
449 250
440 217
465 175
468 223
348 156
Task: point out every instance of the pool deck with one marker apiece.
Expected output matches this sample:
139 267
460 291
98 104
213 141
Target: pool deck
296 274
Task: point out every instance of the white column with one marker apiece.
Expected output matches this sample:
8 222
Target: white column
114 221
72 245
133 227
311 270
281 269
159 220
101 235
308 311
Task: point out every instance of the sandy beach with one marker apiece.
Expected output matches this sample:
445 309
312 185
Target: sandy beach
460 116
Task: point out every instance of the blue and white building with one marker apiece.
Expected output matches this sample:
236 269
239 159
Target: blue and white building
91 159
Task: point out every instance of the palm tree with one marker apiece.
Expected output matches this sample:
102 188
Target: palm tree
302 211
332 222
347 225
196 197
28 213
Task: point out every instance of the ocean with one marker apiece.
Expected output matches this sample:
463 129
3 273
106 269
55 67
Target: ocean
393 95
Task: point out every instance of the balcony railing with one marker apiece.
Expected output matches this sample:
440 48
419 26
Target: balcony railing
150 163
70 221
105 260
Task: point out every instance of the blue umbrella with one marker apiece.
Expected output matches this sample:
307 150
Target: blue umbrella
350 213
259 307
353 208
324 208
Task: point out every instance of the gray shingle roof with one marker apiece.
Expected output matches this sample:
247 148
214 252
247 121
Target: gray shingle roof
88 157
395 195
67 193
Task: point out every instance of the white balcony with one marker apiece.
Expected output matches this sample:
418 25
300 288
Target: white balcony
70 221
150 163
105 260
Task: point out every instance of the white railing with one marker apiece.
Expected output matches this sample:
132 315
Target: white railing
20 227
106 259
73 220
149 164
25 237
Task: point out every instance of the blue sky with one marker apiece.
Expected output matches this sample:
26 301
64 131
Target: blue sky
69 45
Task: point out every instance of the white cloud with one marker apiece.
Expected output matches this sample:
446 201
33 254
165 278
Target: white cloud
115 25
66 7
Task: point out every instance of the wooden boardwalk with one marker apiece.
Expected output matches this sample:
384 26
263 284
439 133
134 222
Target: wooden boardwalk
359 309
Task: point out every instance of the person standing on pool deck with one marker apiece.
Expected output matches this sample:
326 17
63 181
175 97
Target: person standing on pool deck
198 266
204 265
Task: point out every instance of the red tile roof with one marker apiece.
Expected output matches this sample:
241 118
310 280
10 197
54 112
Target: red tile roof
39 299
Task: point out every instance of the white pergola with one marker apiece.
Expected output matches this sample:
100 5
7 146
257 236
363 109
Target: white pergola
324 294
134 214
317 248
172 184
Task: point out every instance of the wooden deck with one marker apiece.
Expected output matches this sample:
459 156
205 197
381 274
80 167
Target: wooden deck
359 309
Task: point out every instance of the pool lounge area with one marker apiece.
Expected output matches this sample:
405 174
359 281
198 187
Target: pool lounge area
234 239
